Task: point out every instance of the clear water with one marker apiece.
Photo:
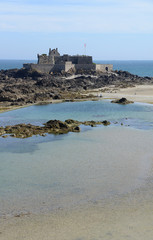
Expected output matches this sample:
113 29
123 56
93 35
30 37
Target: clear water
136 115
40 174
11 64
75 169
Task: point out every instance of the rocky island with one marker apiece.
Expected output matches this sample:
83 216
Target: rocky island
61 78
23 87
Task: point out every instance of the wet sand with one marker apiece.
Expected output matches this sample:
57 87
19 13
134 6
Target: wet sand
126 218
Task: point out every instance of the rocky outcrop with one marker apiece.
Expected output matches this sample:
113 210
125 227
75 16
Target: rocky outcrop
122 101
51 127
21 87
94 123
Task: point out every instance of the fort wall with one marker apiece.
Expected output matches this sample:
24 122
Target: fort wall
43 68
53 62
85 67
68 66
103 67
47 68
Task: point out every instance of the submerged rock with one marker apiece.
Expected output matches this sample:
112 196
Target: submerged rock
51 127
106 123
71 121
122 101
56 124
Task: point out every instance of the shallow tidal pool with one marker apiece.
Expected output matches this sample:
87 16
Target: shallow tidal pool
41 174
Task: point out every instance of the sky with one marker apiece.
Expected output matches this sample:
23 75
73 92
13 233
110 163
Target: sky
111 29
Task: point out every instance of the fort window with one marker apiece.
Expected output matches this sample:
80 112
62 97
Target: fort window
106 68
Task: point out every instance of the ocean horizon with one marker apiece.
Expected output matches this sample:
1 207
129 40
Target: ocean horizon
138 67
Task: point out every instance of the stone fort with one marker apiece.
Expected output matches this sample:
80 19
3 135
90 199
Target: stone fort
54 62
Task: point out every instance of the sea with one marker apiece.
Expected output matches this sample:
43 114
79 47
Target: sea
138 67
42 174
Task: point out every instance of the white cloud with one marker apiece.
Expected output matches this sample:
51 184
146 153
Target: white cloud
118 16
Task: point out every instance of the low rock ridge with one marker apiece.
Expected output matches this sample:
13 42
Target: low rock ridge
51 127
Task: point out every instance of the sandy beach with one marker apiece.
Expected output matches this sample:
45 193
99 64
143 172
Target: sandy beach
125 218
139 93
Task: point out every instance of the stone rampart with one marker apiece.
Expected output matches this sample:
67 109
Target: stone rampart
103 67
68 66
44 68
81 59
85 67
47 68
56 63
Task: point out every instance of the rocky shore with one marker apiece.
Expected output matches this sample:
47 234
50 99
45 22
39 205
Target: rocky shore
23 87
122 101
51 127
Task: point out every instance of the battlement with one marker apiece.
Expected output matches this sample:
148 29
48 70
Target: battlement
54 62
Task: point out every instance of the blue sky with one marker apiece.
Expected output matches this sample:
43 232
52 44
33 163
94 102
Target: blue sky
112 29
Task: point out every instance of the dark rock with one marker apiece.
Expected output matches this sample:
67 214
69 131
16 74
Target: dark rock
56 124
91 123
52 126
24 73
76 129
106 123
71 121
122 101
5 136
21 86
56 97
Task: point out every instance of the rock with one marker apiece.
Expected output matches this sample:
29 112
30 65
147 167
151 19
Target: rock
91 123
106 123
71 121
76 129
56 97
2 131
13 135
52 126
56 124
24 73
21 86
43 134
122 101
